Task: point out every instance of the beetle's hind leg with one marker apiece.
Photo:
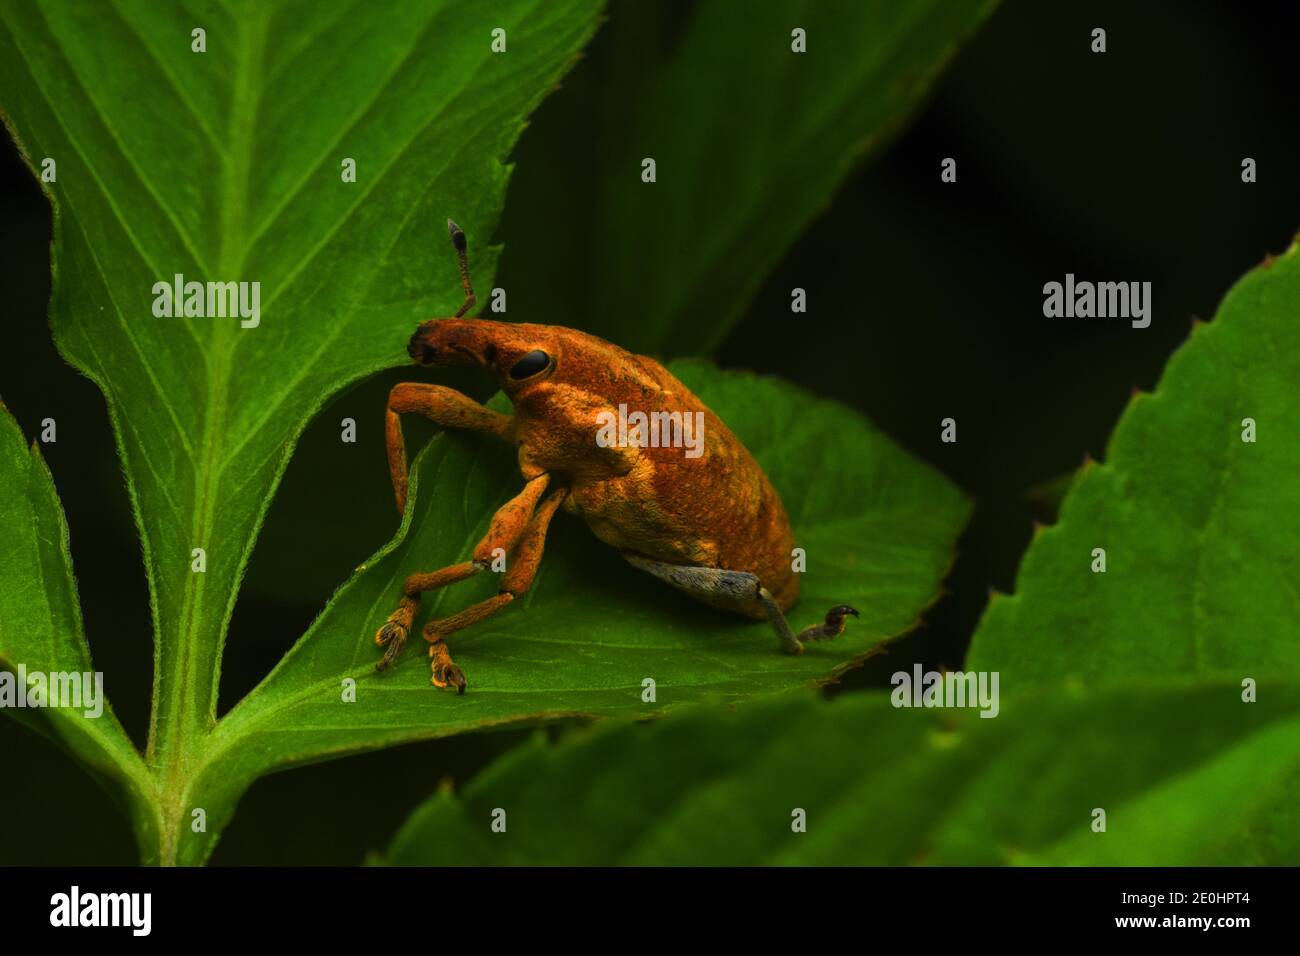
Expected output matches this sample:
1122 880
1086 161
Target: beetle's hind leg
742 588
831 626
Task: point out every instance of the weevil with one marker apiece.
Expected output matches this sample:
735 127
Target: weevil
711 525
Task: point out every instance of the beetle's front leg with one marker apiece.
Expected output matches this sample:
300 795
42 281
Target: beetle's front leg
442 406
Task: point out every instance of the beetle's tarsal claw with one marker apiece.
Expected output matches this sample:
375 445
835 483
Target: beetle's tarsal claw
445 671
453 676
392 636
832 627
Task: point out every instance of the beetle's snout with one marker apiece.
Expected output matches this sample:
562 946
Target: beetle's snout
420 349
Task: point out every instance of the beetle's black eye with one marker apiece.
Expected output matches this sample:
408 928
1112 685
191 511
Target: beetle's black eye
530 364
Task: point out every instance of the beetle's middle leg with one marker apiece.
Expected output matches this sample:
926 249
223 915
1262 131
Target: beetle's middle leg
509 531
741 587
518 578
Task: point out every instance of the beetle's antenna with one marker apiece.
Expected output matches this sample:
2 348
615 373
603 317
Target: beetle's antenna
458 240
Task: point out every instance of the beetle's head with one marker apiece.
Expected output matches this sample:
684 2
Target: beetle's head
520 355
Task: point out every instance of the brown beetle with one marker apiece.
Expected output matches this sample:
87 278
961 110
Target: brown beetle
706 520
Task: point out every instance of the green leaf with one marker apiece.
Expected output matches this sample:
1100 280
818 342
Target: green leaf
750 141
878 528
225 166
1184 773
1198 526
41 633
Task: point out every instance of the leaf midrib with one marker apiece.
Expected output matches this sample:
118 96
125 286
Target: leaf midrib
184 701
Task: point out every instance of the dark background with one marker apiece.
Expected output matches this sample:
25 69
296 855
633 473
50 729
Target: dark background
925 302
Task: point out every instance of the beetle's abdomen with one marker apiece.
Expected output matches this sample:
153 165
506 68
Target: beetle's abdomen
706 503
